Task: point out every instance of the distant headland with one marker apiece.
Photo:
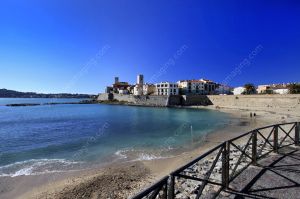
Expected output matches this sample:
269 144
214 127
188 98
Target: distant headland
5 93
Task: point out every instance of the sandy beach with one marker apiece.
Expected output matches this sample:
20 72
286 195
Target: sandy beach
123 180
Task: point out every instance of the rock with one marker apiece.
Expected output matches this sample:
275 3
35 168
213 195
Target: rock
182 196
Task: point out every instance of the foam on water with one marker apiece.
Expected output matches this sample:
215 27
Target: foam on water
144 156
121 154
139 155
38 166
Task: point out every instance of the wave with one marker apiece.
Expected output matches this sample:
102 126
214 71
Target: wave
121 154
138 155
38 166
144 156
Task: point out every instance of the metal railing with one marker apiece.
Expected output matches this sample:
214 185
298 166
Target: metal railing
212 172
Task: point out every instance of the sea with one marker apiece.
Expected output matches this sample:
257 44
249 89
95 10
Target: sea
67 137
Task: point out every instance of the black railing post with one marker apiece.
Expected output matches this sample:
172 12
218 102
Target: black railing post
275 138
225 165
171 188
254 147
297 129
165 191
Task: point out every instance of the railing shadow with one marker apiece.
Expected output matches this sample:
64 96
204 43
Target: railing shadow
210 175
278 172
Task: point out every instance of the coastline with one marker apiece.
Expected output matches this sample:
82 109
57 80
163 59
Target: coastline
140 173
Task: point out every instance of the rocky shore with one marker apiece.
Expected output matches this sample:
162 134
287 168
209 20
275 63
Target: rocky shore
188 189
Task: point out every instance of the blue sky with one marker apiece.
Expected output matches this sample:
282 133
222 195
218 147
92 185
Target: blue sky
79 46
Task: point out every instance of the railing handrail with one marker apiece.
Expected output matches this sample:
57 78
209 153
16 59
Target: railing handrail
223 146
148 190
196 159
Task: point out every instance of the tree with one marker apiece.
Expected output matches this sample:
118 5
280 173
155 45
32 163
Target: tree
249 89
294 88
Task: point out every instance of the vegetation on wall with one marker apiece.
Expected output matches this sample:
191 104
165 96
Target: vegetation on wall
294 88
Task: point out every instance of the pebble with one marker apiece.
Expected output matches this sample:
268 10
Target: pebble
188 189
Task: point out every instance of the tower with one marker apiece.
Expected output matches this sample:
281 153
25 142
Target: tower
116 80
140 80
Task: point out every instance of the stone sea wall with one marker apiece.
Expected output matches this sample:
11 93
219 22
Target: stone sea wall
104 97
239 101
151 100
199 100
244 101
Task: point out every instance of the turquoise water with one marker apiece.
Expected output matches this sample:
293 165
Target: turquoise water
48 138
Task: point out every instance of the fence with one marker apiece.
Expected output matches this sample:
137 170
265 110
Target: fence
212 172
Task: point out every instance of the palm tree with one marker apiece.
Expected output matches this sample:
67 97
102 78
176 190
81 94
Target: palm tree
294 88
249 89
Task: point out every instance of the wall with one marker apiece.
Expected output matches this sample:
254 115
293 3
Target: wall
175 100
124 98
244 101
240 101
200 100
104 97
151 100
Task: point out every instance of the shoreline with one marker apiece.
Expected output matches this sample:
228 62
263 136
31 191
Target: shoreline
69 184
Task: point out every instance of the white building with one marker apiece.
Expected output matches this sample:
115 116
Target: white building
264 89
137 90
273 89
209 86
123 91
166 88
223 89
281 91
191 86
148 89
201 86
238 90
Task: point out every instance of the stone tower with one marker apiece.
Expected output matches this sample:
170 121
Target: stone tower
116 80
140 80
